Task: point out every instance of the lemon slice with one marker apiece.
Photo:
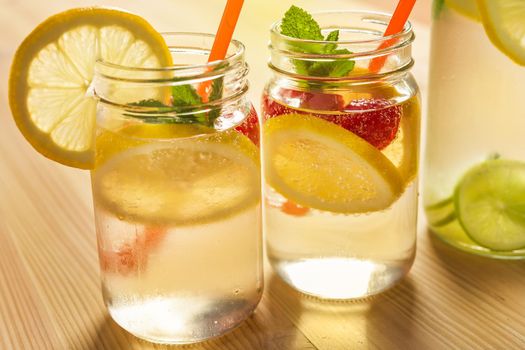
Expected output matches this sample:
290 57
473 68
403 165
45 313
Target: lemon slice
403 151
467 8
321 165
146 183
110 142
504 22
53 69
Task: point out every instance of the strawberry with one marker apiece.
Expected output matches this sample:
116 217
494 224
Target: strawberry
132 256
291 208
271 108
250 126
307 100
315 100
378 123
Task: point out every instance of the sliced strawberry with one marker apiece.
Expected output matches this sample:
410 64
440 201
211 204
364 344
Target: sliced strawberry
250 126
307 100
292 208
378 124
315 100
123 261
271 108
132 256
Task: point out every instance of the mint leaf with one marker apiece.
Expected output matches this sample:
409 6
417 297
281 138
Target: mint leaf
185 95
216 94
333 36
302 67
216 89
335 69
341 68
437 7
299 24
320 69
148 103
155 115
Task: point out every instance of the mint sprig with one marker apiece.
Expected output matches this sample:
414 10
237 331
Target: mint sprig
183 98
297 23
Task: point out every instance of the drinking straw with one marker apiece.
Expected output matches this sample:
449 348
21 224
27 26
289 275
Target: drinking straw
223 37
396 25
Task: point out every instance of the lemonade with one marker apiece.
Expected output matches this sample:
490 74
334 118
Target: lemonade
173 147
474 191
340 153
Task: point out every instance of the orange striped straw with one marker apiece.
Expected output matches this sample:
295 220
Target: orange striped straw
396 25
224 35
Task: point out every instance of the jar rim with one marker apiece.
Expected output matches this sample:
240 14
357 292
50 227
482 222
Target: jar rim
407 29
238 52
125 86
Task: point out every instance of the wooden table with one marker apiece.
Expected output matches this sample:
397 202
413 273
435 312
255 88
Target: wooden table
49 280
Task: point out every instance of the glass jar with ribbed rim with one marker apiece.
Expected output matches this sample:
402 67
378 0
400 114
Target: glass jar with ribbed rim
474 185
340 136
176 188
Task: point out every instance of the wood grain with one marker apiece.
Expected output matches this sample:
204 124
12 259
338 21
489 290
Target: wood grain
49 281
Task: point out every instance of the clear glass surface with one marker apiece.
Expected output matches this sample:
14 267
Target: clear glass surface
475 114
177 196
332 252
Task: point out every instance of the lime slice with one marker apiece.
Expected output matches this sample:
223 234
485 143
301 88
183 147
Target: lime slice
321 165
53 69
490 204
178 181
504 22
441 213
467 8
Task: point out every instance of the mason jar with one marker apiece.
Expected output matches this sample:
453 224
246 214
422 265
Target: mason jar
176 189
340 138
474 188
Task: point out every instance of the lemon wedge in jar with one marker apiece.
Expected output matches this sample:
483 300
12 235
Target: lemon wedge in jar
321 165
138 178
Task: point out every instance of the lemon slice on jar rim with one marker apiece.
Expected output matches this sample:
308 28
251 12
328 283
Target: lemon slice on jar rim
53 69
